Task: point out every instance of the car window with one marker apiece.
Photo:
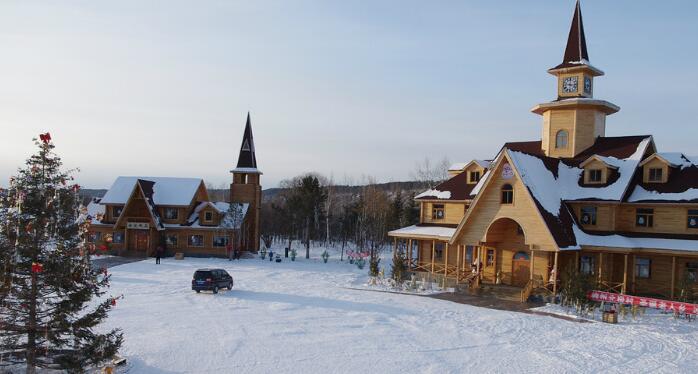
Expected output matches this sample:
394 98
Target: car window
202 274
224 274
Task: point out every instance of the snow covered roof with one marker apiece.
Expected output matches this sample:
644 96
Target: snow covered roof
246 170
627 240
222 208
166 190
435 194
681 185
458 166
425 231
553 181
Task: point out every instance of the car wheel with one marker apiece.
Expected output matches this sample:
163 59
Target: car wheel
230 286
197 291
215 289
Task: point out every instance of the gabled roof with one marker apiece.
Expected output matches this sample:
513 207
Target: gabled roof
228 221
166 191
681 185
146 189
552 182
610 162
456 188
247 160
673 159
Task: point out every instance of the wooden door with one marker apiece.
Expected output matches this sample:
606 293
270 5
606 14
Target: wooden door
141 240
520 269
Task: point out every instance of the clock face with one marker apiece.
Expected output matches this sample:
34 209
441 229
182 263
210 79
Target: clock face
569 85
587 85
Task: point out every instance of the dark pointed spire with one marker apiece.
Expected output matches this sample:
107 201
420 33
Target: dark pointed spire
247 158
576 51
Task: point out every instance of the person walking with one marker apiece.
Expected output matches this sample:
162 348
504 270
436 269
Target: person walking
158 254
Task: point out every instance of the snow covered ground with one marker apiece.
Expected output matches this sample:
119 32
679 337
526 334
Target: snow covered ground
301 317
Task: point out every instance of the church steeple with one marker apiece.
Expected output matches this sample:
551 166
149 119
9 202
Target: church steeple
576 51
573 121
247 158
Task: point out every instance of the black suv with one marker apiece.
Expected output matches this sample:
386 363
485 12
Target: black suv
211 280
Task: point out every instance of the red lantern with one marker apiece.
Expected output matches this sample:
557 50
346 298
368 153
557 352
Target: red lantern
113 302
37 267
45 137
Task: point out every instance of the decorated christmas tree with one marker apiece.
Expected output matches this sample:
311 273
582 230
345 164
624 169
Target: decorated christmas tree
51 299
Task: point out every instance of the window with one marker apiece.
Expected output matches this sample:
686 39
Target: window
196 240
561 139
474 176
94 236
116 211
594 175
439 250
588 215
171 240
692 272
642 267
220 241
437 211
507 194
655 175
118 237
171 213
692 219
208 216
490 257
644 217
469 254
586 265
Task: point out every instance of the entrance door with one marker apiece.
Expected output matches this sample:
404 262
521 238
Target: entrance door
141 240
520 269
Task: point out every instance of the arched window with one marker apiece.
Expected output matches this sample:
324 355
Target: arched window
561 139
507 194
521 256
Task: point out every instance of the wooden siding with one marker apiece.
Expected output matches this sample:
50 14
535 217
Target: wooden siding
668 219
453 213
596 165
489 209
605 215
655 163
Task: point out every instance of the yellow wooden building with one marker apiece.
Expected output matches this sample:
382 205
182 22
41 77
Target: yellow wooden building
611 207
138 214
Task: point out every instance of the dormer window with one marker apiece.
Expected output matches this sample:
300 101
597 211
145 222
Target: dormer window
595 175
588 215
171 213
116 211
561 139
655 175
208 216
474 176
437 211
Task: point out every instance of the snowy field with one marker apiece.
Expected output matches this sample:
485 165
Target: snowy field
301 317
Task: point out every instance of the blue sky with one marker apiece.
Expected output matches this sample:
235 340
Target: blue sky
348 88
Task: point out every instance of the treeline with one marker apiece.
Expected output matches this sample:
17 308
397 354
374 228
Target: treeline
310 208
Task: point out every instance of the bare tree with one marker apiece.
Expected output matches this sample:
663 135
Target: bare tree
431 173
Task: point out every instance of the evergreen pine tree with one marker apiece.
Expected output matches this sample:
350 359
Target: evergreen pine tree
47 313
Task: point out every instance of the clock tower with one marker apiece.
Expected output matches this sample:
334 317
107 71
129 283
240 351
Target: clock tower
572 123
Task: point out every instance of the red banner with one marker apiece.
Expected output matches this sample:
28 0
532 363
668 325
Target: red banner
647 302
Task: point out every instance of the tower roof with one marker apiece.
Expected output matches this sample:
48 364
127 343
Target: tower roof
576 54
247 161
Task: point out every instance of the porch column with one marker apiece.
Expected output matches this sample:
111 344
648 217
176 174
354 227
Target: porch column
625 274
479 264
457 262
433 254
576 260
409 254
634 266
446 262
673 275
555 274
533 259
394 246
600 267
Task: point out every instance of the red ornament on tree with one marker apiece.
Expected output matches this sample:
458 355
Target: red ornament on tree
37 267
45 137
76 187
103 247
29 227
113 302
